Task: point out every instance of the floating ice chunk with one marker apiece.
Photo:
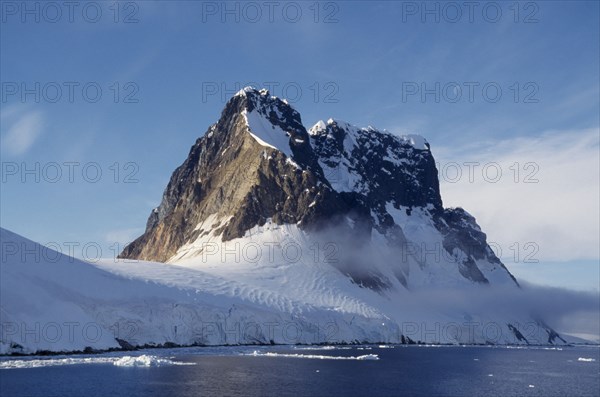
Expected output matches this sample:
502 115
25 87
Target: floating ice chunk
53 362
146 361
315 356
368 357
125 361
315 348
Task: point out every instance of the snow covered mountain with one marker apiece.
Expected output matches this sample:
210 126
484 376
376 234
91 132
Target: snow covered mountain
271 233
373 195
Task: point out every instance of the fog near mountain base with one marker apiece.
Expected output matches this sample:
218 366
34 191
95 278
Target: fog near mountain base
567 311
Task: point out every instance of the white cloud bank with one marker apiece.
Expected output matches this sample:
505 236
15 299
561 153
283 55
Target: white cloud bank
559 213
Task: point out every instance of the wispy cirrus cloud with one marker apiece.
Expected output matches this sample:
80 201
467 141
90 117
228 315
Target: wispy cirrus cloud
21 128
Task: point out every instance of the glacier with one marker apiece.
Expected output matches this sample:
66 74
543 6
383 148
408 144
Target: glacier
56 303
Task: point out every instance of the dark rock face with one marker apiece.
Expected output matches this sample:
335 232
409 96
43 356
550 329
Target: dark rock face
333 176
385 167
461 231
227 172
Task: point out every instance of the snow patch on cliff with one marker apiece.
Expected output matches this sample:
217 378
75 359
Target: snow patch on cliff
267 134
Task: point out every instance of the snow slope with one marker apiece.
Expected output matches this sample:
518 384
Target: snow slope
53 302
267 134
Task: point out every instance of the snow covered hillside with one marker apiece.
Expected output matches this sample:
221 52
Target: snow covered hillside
52 302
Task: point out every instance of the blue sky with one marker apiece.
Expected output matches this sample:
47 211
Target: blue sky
162 78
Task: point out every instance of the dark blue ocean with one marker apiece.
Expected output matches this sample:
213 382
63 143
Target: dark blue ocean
304 371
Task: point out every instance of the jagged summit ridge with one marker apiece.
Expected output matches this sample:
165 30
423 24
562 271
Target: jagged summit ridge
261 105
376 163
321 128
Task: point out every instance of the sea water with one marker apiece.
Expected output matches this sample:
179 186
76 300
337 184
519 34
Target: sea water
390 370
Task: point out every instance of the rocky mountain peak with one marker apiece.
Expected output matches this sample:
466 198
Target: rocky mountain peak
259 165
273 123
